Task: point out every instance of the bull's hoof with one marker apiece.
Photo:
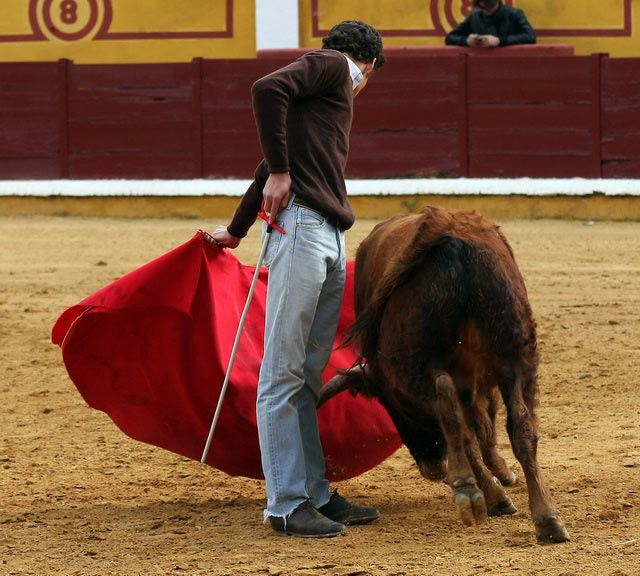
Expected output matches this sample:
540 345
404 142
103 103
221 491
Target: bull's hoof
434 470
470 502
509 479
472 509
504 507
550 530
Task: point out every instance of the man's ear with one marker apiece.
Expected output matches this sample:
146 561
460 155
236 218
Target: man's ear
369 67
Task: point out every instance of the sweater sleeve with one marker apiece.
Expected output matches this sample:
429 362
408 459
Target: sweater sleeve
308 77
523 33
458 36
249 205
246 212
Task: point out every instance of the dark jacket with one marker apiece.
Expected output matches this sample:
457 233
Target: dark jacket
507 23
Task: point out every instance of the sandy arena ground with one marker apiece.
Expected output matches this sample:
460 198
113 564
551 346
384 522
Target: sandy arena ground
79 497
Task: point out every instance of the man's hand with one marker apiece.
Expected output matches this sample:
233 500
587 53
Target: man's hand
221 237
276 193
473 40
488 41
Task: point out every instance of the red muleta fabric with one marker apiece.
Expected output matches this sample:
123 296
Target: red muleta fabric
151 350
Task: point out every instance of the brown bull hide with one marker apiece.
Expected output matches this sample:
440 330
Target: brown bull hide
444 328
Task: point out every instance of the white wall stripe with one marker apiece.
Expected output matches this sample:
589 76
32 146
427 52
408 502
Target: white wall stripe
390 187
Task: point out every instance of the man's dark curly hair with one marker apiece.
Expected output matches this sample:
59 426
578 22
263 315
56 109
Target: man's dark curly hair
358 39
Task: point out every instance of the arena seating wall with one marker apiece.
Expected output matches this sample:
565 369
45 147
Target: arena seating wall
426 113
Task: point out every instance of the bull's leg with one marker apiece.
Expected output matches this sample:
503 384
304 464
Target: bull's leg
523 433
468 498
495 462
498 503
482 419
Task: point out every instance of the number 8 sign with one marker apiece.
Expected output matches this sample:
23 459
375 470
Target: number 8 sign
69 20
69 11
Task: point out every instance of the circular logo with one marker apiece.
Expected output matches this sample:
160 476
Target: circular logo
69 20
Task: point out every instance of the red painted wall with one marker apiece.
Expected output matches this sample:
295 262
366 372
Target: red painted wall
428 112
31 97
620 132
130 121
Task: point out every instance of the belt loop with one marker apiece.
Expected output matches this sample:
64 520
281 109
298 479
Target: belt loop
293 197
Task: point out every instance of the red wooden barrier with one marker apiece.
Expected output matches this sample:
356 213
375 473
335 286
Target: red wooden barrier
430 111
31 100
406 122
403 52
131 121
621 118
230 141
530 117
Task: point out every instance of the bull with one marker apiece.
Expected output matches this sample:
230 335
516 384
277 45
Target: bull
444 330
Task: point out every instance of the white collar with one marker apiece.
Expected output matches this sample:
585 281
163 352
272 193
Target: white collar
356 74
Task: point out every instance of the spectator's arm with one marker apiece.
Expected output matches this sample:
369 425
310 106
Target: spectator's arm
458 36
523 34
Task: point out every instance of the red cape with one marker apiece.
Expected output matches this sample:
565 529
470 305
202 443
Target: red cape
151 350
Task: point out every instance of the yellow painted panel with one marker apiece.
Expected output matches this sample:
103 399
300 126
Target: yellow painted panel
168 15
387 14
585 14
126 31
15 17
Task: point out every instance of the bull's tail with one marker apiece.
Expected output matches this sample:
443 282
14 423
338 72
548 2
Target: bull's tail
468 283
491 296
501 310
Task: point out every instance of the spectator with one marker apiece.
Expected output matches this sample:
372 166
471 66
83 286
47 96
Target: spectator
491 25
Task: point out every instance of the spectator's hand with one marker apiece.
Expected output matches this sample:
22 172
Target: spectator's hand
473 40
489 41
221 237
276 193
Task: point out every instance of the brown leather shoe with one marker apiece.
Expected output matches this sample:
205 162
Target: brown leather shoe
339 509
306 522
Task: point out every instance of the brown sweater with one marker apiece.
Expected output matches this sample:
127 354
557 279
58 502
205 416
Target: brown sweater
303 112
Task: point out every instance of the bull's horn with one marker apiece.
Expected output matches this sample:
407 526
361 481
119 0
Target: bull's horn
352 379
337 384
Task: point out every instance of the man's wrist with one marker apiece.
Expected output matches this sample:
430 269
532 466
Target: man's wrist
238 234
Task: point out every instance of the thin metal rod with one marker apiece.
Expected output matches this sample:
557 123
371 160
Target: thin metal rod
236 344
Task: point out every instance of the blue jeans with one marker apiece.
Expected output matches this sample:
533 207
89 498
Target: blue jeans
304 296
